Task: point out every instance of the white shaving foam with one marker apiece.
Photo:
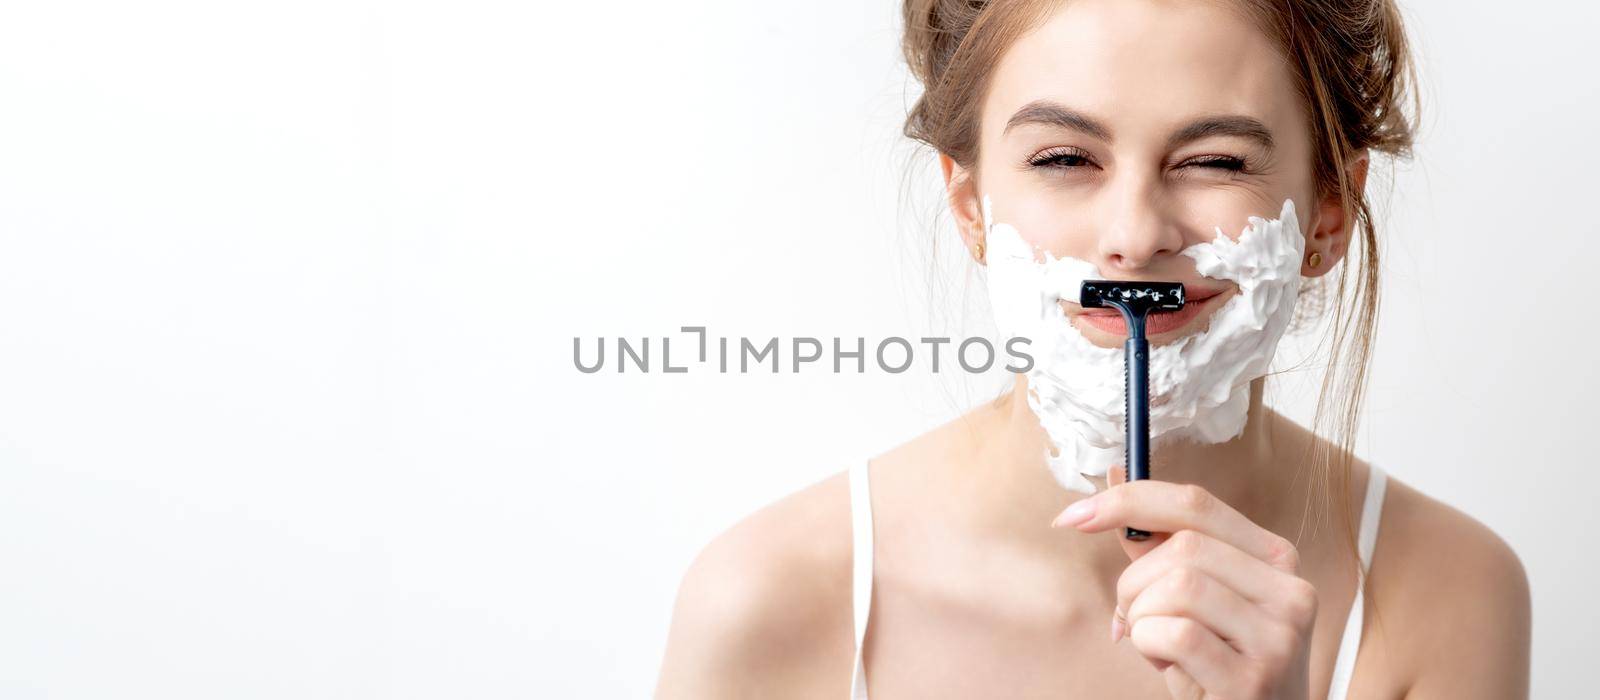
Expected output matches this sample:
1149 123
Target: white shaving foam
1199 384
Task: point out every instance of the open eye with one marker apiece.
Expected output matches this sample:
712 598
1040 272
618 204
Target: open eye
1060 158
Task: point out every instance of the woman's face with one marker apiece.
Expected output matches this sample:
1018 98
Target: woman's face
1122 131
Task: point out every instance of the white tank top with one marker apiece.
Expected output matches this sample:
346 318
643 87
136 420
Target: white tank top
861 582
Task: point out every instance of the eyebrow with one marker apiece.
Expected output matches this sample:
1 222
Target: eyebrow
1047 113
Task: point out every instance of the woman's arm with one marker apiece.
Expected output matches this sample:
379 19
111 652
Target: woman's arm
717 624
1459 605
764 609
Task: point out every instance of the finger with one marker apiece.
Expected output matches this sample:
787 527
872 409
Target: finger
1163 506
1186 592
1134 548
1282 593
1206 658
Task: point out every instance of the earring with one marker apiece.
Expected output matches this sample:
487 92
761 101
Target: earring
1314 260
977 251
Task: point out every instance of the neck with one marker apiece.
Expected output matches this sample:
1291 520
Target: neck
1011 490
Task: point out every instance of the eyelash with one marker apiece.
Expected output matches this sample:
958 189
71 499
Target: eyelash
1055 159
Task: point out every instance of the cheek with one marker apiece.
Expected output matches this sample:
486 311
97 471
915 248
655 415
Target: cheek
1073 226
1059 222
1060 225
1231 211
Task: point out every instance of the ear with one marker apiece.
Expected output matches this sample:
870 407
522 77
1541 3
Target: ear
962 192
1330 231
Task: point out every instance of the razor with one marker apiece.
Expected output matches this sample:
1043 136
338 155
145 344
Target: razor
1134 300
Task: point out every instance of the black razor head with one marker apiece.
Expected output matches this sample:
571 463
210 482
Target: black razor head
1137 298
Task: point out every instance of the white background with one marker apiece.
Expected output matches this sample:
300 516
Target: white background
288 293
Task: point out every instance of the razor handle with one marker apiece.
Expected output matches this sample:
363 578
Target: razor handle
1136 458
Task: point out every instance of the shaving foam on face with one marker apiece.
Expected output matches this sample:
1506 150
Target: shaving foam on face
1199 384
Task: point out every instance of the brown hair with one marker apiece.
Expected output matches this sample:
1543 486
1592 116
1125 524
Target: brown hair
1353 70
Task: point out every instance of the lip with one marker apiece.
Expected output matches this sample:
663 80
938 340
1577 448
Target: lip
1160 325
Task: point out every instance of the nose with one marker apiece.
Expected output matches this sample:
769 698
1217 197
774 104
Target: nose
1142 228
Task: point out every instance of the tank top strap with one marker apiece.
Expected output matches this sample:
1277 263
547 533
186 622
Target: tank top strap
1366 539
861 569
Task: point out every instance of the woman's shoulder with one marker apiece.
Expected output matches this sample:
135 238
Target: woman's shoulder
1424 541
1452 599
768 601
794 551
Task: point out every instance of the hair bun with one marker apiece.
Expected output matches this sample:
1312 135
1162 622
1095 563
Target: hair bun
933 30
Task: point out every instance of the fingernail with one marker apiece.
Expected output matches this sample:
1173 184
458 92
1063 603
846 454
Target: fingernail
1117 628
1075 514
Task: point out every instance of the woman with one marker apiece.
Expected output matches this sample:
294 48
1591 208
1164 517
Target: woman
1122 132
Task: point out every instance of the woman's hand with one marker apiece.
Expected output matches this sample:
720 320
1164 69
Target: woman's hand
1217 604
